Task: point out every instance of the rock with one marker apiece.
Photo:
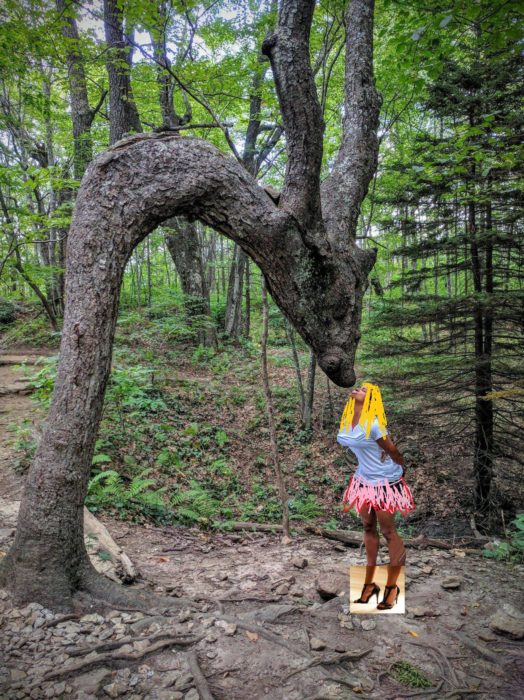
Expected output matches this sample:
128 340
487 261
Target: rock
283 589
184 681
297 592
422 612
317 644
91 682
115 689
126 649
368 625
92 617
505 624
169 678
140 645
169 695
451 582
330 586
192 695
299 563
17 675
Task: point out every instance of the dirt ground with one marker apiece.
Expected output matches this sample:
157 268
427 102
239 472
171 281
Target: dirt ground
268 619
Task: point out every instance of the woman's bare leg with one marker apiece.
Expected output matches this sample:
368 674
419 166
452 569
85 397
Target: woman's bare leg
371 540
396 548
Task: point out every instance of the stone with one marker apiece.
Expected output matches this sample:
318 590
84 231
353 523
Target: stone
451 582
192 695
368 625
507 625
299 563
330 586
115 689
92 617
184 681
163 694
169 678
17 675
90 683
317 644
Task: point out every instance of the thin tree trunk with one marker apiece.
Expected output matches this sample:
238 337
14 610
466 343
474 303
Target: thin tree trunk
271 416
308 407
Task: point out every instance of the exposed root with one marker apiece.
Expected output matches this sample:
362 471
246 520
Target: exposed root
110 646
198 677
276 639
332 660
58 620
115 595
443 662
109 658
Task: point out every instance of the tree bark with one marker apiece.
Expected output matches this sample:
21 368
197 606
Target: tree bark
184 247
123 114
314 276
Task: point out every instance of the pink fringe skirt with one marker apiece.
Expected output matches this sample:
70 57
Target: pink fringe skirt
381 496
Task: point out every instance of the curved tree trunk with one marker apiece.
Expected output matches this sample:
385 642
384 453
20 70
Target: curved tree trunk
315 273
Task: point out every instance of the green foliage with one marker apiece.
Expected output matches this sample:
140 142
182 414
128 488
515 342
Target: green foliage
194 505
7 311
513 548
305 509
108 491
42 383
23 443
130 389
408 674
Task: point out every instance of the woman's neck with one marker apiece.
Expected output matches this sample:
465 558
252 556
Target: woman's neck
356 416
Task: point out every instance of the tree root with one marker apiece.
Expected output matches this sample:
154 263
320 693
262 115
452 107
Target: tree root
276 639
115 595
63 618
331 660
110 658
198 677
110 646
481 649
442 660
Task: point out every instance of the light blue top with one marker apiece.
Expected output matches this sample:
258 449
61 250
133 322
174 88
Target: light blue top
368 451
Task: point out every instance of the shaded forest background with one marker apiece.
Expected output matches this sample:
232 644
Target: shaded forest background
185 435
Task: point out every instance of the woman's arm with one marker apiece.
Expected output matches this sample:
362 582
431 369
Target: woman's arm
387 444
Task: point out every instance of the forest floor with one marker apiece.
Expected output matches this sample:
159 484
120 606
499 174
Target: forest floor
270 619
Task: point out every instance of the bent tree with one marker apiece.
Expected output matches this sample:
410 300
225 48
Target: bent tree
304 244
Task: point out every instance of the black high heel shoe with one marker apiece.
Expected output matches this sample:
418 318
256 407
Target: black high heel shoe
383 605
375 591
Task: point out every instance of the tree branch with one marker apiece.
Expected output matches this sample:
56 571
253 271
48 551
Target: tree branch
288 51
344 190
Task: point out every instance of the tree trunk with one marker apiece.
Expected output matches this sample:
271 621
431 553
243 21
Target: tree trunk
123 114
310 395
313 270
271 415
183 245
232 321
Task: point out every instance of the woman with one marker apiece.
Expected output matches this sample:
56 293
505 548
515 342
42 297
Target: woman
378 483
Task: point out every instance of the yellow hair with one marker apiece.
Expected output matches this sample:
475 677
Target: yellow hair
372 408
